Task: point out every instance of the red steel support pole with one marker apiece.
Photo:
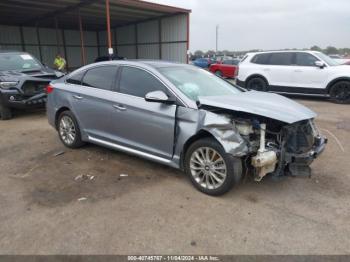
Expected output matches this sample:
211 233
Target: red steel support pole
109 37
188 37
82 39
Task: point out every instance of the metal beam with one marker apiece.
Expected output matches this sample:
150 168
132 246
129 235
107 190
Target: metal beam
188 37
81 39
65 48
22 38
62 11
109 37
39 42
57 36
160 38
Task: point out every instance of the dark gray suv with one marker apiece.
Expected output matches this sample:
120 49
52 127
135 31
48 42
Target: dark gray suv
184 117
22 82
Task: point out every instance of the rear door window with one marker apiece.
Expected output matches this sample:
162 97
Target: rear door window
281 58
305 59
102 77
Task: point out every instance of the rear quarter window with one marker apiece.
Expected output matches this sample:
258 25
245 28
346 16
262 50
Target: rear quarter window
75 78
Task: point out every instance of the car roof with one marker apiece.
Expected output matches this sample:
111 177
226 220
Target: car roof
282 51
144 63
150 64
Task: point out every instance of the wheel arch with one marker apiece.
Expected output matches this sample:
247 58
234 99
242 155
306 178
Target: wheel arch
256 75
58 112
219 70
336 80
199 135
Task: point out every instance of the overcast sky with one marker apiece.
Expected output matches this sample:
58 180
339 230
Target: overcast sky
267 24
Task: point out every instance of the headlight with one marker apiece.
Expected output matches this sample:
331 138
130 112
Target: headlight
7 85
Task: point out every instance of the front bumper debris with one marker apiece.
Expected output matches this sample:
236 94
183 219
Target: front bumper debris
300 164
308 157
17 100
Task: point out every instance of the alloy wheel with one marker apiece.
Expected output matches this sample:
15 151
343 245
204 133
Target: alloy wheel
342 92
208 168
67 130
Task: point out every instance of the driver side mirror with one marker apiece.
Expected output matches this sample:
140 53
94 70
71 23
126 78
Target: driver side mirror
159 97
320 64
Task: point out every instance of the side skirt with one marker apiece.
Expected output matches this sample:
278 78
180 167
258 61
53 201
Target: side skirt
298 90
131 151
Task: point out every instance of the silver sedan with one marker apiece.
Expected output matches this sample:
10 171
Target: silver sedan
187 118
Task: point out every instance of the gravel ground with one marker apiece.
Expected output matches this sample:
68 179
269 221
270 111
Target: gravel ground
59 201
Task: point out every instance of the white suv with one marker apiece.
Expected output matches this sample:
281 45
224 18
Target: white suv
295 72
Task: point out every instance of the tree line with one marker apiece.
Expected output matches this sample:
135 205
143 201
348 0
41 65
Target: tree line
329 50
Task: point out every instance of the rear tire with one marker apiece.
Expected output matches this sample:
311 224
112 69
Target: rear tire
68 130
340 92
257 84
5 112
210 169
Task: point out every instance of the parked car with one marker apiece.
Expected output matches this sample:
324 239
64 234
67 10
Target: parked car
107 58
22 82
184 117
203 62
295 72
226 68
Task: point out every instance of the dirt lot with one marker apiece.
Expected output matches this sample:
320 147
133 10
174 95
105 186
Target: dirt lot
155 209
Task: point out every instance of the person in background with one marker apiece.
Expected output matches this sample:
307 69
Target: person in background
60 63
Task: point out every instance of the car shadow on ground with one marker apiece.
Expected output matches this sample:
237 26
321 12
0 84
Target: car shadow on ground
28 113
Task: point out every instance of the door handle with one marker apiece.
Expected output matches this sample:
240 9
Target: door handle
78 97
298 70
266 69
119 107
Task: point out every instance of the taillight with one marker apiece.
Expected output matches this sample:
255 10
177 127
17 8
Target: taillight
49 89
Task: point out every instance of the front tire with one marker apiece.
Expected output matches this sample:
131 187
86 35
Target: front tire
257 84
340 92
69 131
211 170
5 112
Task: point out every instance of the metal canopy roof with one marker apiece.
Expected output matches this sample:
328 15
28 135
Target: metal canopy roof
93 12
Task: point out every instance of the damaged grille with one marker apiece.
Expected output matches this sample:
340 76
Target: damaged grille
300 137
31 88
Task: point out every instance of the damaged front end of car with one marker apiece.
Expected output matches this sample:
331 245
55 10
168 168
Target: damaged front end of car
281 149
284 144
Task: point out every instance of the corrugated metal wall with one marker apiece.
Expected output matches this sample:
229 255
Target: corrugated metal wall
165 38
144 40
43 43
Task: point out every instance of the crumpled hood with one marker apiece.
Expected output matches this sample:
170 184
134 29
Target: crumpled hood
261 103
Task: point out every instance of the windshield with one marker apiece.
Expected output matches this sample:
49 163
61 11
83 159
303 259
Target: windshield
195 82
327 59
20 62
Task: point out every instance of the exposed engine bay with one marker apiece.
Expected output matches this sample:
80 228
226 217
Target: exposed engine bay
275 147
279 148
